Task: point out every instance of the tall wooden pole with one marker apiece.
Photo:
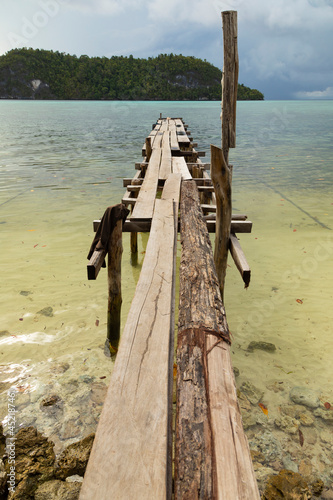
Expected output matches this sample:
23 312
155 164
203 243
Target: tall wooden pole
114 286
229 81
220 169
221 177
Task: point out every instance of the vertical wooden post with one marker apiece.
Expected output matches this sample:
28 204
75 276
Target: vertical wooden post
114 286
134 236
148 148
220 170
221 177
229 81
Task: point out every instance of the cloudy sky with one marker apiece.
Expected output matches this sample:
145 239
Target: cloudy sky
285 46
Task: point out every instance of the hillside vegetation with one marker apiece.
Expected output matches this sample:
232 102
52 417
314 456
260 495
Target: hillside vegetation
43 74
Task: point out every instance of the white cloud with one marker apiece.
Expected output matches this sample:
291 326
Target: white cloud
316 94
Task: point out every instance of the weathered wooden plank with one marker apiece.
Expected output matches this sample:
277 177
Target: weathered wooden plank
240 259
128 198
131 455
165 168
208 428
152 135
206 207
95 263
144 205
171 189
179 166
238 225
173 136
194 447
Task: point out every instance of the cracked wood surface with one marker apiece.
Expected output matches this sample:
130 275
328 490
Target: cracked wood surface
131 455
212 459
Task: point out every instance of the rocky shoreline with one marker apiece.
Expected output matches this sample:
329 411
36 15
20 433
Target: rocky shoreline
289 429
39 474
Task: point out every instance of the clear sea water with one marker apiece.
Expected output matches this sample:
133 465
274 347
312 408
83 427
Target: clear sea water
62 165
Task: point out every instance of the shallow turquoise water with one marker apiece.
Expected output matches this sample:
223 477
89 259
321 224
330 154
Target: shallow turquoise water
62 164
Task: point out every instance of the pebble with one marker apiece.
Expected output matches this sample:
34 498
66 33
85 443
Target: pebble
304 396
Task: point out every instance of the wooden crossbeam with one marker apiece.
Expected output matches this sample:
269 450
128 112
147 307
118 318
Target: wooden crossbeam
240 259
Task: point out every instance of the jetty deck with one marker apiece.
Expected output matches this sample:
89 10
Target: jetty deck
132 456
138 451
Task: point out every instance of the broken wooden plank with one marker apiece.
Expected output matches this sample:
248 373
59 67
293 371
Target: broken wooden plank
95 263
171 189
131 454
240 259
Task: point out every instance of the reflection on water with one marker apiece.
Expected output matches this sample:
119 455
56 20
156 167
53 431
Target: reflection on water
62 164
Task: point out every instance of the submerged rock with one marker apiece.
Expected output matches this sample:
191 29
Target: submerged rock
287 424
46 311
263 346
50 400
288 485
304 396
253 394
326 415
74 458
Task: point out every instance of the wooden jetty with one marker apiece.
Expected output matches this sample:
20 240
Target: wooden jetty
136 453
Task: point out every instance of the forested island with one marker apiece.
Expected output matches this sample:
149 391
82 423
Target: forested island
43 74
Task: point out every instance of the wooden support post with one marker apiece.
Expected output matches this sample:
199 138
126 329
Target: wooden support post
134 235
229 81
114 286
221 177
212 456
148 148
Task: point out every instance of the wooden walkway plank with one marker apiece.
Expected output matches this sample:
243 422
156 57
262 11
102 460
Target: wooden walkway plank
173 137
179 166
165 168
171 189
131 455
145 201
182 137
152 136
